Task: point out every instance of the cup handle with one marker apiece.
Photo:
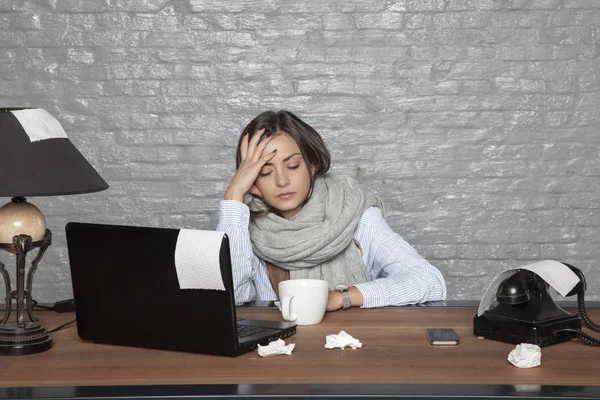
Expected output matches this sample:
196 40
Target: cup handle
285 309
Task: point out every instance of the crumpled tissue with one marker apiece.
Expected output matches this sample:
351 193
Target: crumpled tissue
342 340
275 348
526 355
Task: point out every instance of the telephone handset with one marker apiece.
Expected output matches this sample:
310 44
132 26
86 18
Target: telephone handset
526 313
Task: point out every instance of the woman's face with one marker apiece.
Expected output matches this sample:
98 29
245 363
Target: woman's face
284 182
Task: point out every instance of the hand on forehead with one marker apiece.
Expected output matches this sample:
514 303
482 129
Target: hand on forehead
284 144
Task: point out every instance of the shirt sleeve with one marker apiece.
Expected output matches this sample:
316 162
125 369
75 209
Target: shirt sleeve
398 274
250 279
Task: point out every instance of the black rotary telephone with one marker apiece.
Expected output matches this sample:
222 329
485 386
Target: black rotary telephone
526 313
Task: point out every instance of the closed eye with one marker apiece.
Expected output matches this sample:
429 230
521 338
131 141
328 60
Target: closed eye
294 166
265 173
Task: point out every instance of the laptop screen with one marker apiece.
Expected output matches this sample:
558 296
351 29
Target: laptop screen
126 291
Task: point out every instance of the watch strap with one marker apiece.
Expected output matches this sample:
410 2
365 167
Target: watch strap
346 299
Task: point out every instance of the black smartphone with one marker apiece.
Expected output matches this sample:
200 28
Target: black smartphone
442 336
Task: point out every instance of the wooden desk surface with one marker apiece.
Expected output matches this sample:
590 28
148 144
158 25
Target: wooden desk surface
395 350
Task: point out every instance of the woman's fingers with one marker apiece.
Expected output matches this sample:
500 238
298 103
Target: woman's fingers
265 158
260 148
253 143
244 147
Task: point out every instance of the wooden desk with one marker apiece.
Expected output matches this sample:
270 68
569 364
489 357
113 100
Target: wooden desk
396 359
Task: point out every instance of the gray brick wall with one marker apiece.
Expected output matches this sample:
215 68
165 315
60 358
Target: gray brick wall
477 121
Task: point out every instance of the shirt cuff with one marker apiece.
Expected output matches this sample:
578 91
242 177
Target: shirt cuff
373 296
232 212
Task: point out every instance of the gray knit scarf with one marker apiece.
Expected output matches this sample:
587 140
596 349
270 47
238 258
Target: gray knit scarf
318 242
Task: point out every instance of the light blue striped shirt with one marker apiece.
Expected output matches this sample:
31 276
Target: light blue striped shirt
397 274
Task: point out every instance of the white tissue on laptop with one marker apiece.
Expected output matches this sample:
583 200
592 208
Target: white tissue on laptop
197 259
526 355
342 340
275 348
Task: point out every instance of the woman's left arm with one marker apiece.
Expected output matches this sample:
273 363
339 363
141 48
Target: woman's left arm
398 274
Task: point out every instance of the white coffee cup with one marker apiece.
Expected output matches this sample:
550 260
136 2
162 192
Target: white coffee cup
303 301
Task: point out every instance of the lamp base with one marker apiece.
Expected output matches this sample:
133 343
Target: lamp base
22 337
15 341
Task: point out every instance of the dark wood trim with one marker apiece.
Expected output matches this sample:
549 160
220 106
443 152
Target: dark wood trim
314 391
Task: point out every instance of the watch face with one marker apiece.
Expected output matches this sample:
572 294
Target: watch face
341 288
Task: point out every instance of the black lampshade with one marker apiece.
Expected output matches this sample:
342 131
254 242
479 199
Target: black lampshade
37 158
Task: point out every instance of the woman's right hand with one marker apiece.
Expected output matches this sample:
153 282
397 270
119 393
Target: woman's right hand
252 161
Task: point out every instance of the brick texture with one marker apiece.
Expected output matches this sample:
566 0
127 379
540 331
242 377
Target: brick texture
477 121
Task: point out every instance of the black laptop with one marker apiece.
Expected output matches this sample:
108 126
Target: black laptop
127 293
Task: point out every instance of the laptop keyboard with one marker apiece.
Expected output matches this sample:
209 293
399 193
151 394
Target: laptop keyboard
244 331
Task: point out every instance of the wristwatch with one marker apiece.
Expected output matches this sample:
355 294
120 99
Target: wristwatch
343 290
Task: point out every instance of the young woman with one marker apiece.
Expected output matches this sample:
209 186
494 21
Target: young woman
288 218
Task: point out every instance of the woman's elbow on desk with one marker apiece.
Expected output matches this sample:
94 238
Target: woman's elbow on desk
244 293
403 289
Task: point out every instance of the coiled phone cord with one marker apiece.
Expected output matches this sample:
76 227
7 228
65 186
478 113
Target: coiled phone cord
580 289
583 314
585 338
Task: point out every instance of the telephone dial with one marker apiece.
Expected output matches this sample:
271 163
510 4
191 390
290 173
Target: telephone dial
526 313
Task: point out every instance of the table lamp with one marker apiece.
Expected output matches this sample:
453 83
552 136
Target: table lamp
36 159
